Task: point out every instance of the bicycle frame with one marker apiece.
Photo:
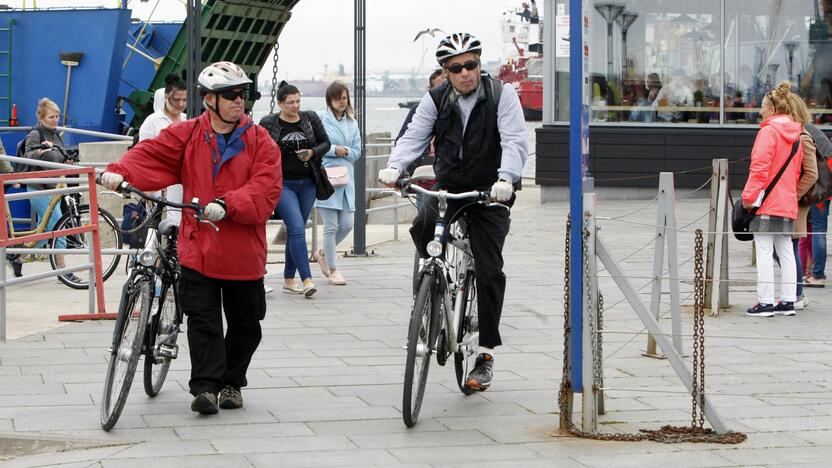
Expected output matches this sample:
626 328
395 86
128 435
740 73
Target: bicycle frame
41 226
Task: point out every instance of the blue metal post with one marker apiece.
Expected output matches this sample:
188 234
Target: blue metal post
578 158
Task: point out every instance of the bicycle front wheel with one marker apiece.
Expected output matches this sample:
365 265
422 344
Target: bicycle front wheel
424 324
110 239
468 335
131 327
161 344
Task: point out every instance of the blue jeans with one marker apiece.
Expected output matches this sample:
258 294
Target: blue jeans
40 204
818 217
337 224
798 265
296 202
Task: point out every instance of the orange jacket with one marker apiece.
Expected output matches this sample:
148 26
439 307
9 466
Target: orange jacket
771 149
247 174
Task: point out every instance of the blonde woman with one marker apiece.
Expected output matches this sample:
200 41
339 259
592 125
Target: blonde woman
40 145
775 219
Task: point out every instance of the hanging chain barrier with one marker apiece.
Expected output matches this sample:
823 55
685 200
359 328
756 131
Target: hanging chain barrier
274 78
668 434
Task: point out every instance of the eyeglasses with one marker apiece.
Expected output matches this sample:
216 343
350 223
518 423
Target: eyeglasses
231 94
457 67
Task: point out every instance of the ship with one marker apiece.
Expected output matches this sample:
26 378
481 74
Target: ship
103 67
522 29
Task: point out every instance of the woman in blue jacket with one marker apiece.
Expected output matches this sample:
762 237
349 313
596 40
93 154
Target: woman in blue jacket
337 211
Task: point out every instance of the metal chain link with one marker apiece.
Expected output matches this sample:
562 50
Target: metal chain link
698 337
666 434
593 335
274 78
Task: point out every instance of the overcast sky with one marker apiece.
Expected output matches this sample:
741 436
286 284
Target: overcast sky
321 31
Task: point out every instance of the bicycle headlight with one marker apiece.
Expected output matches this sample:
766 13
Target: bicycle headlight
147 258
434 248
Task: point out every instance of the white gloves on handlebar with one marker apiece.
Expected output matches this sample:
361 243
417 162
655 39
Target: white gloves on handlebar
388 176
111 180
214 212
501 191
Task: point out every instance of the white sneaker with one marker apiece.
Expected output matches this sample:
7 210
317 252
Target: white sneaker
801 304
268 289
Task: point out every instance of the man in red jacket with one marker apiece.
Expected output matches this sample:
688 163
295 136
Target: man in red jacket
226 161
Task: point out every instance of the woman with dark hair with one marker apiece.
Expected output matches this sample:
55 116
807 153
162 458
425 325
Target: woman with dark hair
303 143
337 211
171 112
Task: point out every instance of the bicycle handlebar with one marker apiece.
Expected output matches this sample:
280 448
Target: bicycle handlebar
482 197
126 190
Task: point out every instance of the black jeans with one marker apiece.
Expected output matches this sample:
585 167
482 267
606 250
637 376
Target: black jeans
487 228
217 361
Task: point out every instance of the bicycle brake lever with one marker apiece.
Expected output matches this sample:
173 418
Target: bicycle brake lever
490 204
216 228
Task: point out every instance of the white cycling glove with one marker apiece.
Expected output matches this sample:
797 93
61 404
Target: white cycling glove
501 191
111 180
214 211
388 176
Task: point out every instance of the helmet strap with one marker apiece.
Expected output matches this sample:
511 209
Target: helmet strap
216 110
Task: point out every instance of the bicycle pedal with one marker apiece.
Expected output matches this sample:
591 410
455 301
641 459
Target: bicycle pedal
167 351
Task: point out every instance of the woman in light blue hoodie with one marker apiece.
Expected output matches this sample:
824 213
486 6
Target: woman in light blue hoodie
338 210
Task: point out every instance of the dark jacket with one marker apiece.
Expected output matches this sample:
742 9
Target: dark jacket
481 150
33 140
312 126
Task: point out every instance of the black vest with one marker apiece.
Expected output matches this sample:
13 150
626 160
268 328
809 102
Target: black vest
481 150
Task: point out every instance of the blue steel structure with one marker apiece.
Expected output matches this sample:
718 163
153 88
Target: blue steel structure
37 38
578 177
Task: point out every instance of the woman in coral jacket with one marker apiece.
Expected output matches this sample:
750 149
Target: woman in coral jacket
774 223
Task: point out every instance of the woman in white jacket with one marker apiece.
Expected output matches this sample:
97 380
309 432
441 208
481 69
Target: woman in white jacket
338 210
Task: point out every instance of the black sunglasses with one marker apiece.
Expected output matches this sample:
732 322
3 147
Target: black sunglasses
231 94
457 67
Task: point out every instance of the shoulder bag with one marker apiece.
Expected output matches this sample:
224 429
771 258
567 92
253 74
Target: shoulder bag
741 217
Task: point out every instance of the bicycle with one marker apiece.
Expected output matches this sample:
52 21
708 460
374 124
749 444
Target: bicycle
140 327
444 318
75 215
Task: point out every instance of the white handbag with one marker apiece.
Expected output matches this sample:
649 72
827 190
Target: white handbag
338 176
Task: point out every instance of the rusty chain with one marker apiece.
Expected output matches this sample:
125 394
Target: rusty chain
696 432
697 394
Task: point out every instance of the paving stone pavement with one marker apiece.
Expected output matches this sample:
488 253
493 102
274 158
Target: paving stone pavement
325 385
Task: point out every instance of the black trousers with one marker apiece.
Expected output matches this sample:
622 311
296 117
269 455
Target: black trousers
488 228
217 361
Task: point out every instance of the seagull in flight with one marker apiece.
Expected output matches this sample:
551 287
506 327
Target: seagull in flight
431 31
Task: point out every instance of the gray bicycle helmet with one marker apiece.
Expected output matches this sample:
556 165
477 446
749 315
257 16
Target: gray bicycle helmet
457 44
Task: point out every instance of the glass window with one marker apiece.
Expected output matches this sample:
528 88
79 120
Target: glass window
768 41
656 61
661 61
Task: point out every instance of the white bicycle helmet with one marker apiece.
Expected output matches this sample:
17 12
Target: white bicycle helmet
220 76
457 44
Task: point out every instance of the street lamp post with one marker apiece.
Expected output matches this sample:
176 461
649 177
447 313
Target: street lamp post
791 46
610 12
625 20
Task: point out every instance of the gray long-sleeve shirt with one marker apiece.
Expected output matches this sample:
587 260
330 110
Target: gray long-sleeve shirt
510 122
31 149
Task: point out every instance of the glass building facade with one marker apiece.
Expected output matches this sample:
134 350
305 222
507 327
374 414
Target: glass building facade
702 62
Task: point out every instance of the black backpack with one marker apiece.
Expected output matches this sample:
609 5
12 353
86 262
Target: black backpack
822 189
20 152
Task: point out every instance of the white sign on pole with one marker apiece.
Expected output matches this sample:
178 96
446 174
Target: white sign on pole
562 36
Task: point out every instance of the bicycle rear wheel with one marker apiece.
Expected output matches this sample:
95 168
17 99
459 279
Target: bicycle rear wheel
131 327
161 343
467 335
110 239
424 322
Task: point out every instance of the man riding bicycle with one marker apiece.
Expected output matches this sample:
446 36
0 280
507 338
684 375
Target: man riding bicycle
223 159
480 145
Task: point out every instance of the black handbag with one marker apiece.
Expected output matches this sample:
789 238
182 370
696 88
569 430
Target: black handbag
741 218
322 183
